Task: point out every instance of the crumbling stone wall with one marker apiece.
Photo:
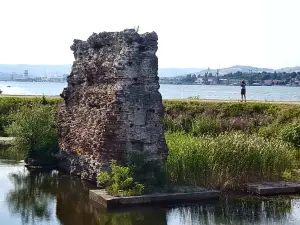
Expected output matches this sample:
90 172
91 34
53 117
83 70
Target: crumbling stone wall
112 104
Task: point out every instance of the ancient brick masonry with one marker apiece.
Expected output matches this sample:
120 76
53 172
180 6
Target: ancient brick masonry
112 104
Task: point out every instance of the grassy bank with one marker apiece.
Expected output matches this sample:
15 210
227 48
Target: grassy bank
225 144
214 143
202 118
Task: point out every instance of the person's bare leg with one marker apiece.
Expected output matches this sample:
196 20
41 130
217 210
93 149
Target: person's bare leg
245 97
242 98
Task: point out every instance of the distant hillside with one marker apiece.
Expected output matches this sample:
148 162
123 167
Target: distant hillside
42 70
289 69
237 68
173 72
247 69
35 70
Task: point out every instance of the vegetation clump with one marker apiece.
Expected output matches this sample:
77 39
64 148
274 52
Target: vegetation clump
120 181
148 169
227 160
292 134
9 105
35 131
144 173
211 144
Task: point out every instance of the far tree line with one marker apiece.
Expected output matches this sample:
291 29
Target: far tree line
250 77
253 77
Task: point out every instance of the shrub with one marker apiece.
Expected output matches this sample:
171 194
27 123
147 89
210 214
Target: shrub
194 97
205 125
10 105
35 130
227 160
270 131
292 134
291 175
44 100
120 181
147 169
179 123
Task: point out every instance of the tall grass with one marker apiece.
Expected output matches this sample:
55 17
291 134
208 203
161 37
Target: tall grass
228 160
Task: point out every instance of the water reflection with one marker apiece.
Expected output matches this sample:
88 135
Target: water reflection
31 196
250 210
56 199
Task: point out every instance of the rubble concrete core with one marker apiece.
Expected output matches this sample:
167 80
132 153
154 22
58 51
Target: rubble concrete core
112 104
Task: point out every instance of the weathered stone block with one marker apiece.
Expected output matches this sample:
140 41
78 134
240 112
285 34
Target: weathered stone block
101 197
112 104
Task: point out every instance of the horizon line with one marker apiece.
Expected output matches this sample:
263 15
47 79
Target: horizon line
203 68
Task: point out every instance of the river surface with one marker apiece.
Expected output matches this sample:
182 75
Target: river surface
263 93
56 199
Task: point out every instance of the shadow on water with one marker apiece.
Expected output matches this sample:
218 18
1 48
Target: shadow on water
33 194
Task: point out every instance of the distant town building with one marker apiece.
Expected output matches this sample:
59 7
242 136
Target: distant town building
13 75
26 74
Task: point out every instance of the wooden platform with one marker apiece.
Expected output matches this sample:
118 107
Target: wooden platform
274 188
100 196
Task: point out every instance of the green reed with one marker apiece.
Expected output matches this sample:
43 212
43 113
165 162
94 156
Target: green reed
228 160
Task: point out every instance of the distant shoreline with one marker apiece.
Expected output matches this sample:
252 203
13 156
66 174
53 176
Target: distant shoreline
28 96
230 100
183 99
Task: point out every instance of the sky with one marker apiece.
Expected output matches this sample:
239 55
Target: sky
192 33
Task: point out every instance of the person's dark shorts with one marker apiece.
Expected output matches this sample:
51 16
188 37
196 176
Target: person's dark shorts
243 91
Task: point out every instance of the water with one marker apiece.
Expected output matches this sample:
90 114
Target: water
263 93
55 199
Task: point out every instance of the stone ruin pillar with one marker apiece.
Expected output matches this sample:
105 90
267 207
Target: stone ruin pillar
112 104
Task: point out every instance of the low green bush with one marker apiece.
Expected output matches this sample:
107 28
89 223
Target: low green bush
180 123
35 131
292 134
10 105
120 181
291 175
204 125
270 131
148 170
227 160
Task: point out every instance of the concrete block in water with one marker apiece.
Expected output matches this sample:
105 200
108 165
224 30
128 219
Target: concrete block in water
274 188
102 197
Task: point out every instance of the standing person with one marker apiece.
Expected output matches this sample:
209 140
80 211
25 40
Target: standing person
243 90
